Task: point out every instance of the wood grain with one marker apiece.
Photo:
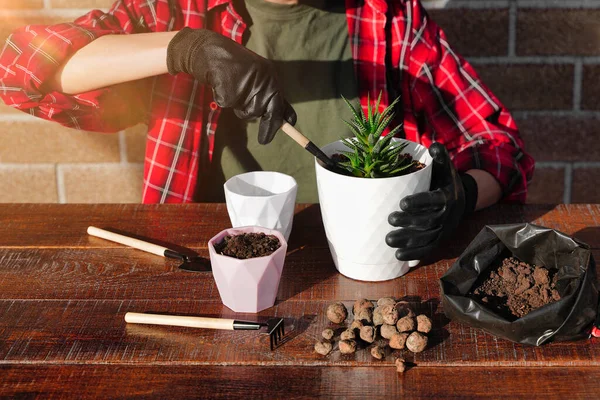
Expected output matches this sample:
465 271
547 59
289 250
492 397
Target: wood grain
128 274
65 225
191 225
94 331
308 273
289 382
63 295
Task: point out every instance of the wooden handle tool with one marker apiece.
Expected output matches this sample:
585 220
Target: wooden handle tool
189 263
312 148
275 326
129 241
178 320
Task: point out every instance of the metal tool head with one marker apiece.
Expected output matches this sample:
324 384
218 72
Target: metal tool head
328 162
275 328
190 261
276 331
196 264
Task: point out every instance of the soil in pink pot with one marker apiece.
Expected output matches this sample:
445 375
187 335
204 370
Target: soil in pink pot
247 264
248 245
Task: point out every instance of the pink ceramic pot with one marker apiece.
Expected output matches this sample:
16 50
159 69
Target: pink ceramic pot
247 285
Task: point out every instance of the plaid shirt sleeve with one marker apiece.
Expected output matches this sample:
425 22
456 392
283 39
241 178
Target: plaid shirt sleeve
32 55
460 112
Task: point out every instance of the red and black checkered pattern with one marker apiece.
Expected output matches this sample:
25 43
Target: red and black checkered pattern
396 48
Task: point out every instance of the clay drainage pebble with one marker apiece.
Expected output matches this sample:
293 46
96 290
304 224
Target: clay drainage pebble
375 328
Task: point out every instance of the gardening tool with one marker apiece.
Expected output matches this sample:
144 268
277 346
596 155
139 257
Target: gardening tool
189 263
275 326
312 149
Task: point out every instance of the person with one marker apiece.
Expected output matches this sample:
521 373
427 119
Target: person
215 79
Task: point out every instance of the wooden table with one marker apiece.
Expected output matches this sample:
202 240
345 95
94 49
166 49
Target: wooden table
63 295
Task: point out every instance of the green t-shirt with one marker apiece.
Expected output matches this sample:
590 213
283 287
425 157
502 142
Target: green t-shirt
311 51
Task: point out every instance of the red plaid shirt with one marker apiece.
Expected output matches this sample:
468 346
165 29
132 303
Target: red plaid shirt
395 46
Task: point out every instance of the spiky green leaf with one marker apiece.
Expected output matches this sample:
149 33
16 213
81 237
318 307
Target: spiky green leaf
382 145
370 153
354 111
369 110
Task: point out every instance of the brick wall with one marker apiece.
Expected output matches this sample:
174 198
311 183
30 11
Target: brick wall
540 57
45 162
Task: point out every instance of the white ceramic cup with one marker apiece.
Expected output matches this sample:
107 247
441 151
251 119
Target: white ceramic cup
262 198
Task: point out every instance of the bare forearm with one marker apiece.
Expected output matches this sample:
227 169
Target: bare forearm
489 191
113 59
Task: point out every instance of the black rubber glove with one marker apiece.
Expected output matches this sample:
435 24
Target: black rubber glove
427 217
240 79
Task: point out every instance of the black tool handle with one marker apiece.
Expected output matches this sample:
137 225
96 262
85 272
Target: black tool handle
317 152
174 254
312 148
246 325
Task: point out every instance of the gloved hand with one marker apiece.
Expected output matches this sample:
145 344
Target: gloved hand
427 217
240 79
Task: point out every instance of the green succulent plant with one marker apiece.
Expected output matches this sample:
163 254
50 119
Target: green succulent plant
373 155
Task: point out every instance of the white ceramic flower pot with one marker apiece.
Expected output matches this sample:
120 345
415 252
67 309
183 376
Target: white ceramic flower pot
355 215
262 198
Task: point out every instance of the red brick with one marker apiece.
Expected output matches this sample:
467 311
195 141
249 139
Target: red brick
530 87
547 186
590 89
39 141
135 140
558 32
21 4
549 138
475 32
106 183
82 4
586 187
28 184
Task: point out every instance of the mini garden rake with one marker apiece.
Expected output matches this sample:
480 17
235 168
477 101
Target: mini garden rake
275 326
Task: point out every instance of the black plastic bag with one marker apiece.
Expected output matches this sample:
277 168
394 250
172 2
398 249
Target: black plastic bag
566 319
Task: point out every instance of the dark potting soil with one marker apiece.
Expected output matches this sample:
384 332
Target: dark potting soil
417 165
248 245
516 288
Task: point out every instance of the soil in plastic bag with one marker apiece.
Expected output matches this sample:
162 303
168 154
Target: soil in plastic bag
570 266
515 288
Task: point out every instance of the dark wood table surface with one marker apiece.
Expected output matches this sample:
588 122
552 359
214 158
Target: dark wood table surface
63 295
